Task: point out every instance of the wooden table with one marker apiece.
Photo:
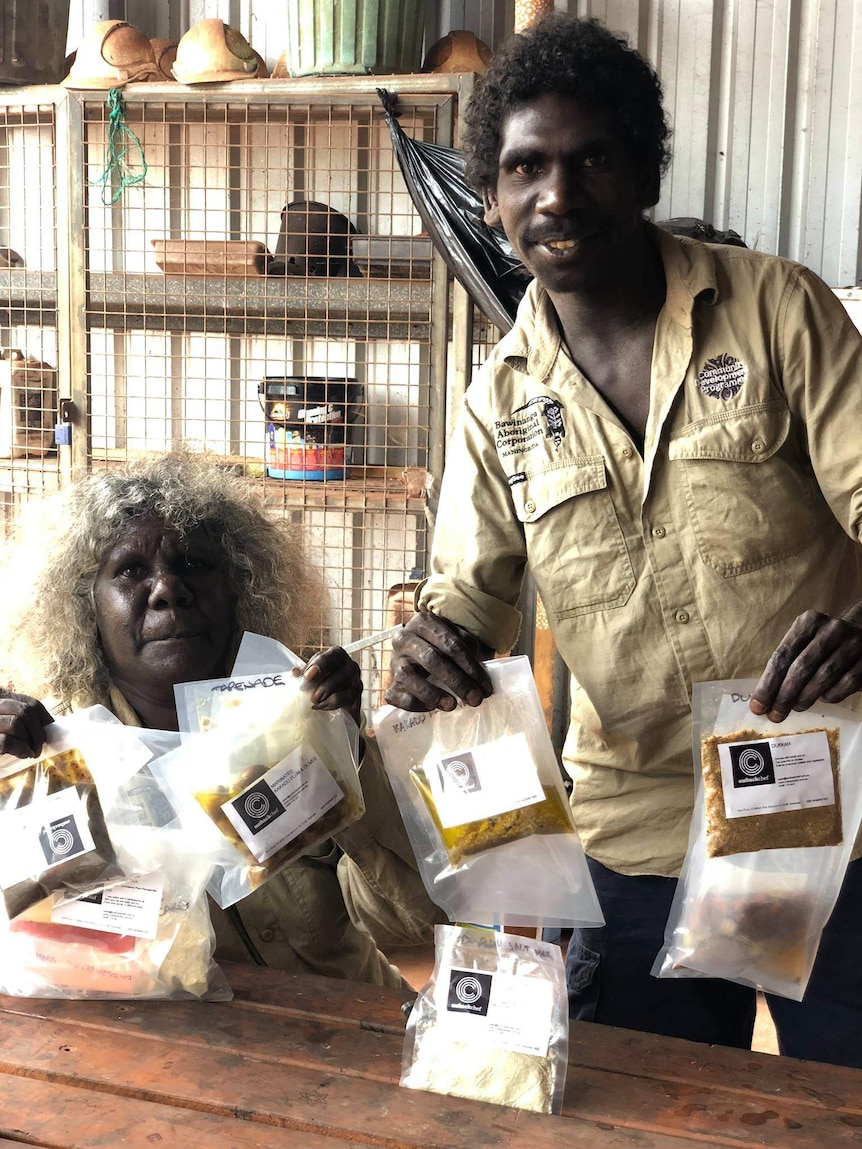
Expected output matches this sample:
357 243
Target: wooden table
313 1063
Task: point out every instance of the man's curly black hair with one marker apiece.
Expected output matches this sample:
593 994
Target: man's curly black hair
561 54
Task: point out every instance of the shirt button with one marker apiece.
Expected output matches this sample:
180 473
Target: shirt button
658 532
529 506
758 446
267 935
627 452
681 616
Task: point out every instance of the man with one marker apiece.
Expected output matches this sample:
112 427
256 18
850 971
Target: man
668 439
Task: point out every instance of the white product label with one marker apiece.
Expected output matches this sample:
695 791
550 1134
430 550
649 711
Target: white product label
229 698
37 838
789 772
485 780
282 803
497 1008
131 908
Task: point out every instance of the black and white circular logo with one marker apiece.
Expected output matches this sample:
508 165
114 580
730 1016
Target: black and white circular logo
469 991
258 806
752 764
458 772
60 841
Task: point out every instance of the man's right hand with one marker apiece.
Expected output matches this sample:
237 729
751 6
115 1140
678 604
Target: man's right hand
429 648
22 725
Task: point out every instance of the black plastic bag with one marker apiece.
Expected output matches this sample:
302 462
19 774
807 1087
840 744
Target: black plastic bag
480 258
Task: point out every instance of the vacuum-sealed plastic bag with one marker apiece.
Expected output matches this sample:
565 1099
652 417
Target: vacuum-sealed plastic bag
137 928
269 780
777 811
52 822
493 1022
144 936
483 801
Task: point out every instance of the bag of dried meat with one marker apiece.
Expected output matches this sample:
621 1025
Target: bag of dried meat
776 815
493 1022
100 898
482 797
266 778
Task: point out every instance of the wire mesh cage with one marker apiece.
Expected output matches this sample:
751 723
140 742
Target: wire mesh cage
29 461
263 293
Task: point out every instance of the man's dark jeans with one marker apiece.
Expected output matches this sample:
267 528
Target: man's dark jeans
609 982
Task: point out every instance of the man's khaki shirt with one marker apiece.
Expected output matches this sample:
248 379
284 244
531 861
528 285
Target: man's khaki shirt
686 564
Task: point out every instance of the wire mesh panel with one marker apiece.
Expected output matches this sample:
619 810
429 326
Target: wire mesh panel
29 461
485 337
264 294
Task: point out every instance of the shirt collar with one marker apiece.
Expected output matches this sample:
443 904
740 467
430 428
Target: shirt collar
689 268
533 343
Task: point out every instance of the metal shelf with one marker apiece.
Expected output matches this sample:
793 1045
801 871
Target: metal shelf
354 308
33 474
367 487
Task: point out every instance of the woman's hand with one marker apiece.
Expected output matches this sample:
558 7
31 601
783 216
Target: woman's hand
22 725
335 682
819 657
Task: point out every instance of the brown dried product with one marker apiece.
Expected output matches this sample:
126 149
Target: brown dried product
35 783
760 936
778 830
328 823
550 816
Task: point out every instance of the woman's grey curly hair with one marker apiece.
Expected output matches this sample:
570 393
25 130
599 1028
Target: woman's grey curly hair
51 645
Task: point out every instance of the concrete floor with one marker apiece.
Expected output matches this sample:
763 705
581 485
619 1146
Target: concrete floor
417 962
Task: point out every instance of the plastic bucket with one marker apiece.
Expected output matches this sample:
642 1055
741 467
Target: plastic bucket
307 421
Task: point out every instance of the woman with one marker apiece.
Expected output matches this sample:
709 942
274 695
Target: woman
132 580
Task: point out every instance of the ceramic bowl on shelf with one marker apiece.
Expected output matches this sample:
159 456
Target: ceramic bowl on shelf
210 256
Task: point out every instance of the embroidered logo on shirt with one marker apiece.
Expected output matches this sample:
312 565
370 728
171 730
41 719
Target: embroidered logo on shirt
538 419
518 477
722 377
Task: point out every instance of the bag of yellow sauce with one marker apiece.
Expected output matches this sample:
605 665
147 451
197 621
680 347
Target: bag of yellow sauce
548 816
483 800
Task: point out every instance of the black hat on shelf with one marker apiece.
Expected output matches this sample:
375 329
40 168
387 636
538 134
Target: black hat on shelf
313 240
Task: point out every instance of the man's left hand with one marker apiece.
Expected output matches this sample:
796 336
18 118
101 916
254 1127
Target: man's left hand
819 657
335 682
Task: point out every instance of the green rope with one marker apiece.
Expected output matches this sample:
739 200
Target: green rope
122 142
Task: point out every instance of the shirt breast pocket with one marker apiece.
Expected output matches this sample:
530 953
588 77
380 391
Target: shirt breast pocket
749 502
575 545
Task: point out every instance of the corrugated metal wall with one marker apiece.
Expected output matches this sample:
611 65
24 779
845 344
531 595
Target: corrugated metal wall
765 98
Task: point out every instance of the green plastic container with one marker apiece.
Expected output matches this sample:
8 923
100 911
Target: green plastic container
354 37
